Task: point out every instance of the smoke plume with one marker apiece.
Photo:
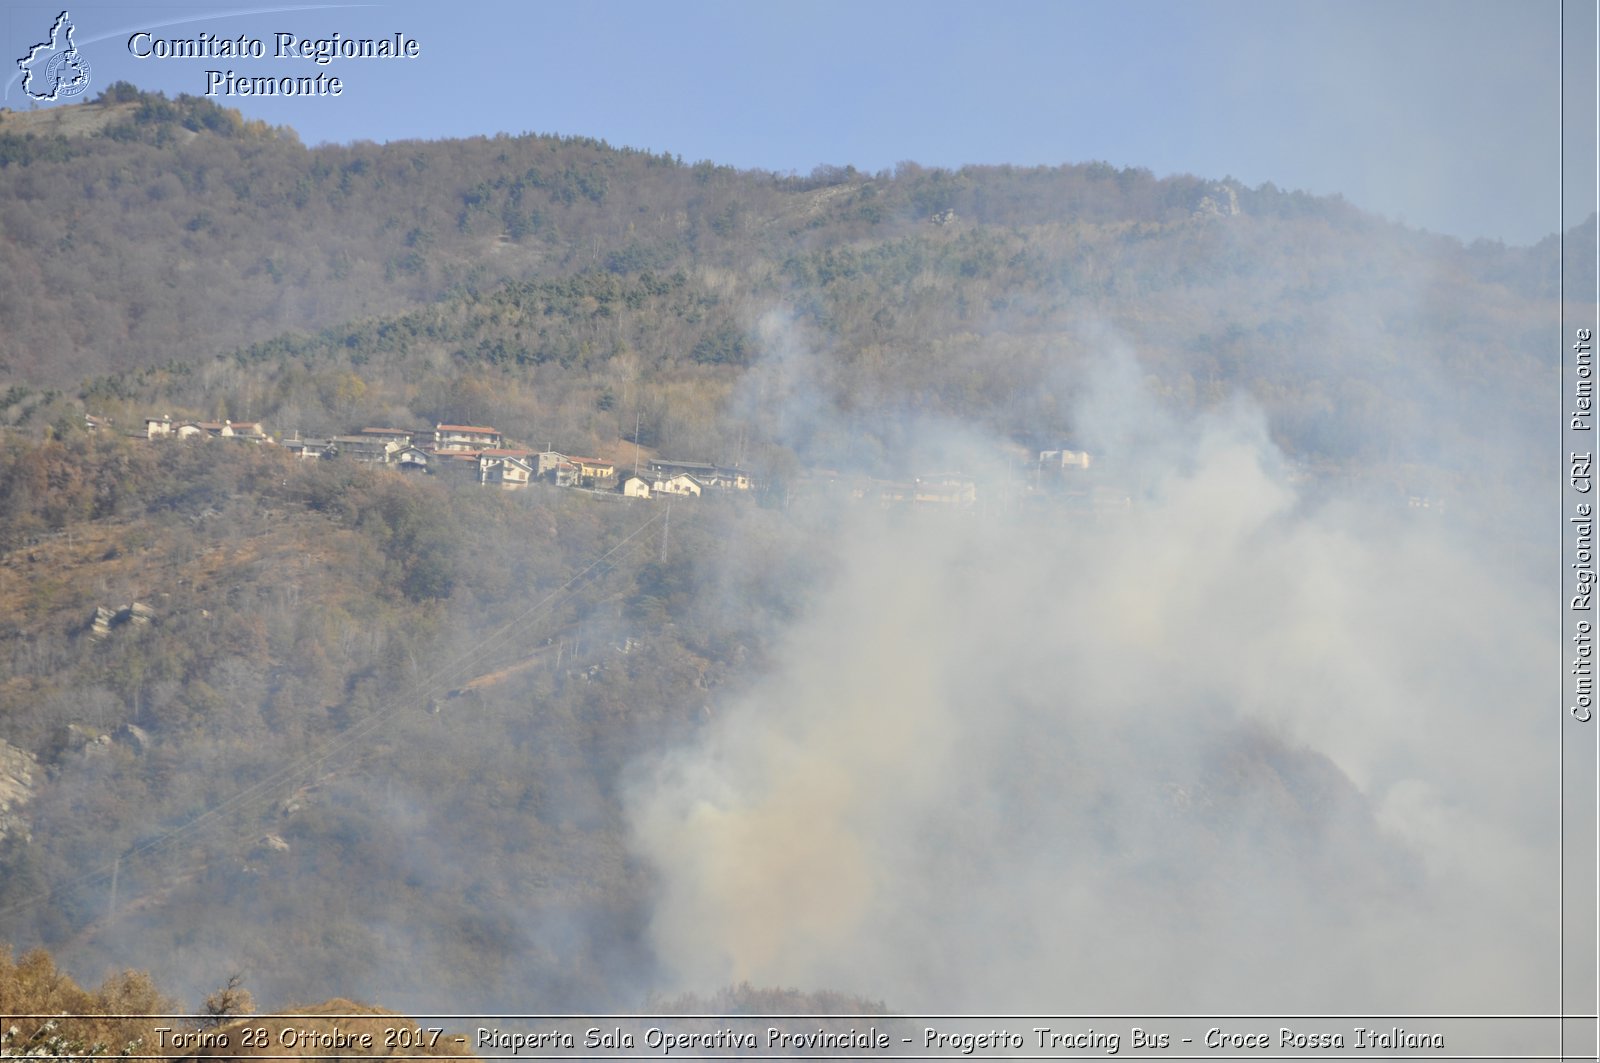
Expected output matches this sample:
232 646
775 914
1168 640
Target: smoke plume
1205 736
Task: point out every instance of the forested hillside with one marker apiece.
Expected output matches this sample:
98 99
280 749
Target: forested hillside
301 681
357 733
181 257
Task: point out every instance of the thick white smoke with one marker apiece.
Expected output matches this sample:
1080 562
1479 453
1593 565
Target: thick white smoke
1238 746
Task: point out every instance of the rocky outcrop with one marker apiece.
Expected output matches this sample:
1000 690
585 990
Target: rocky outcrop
18 772
1220 201
138 614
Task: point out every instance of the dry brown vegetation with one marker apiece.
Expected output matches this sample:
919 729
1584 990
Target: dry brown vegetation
309 803
47 1013
310 623
567 290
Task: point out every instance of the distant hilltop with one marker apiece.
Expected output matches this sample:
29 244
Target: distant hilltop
69 120
123 112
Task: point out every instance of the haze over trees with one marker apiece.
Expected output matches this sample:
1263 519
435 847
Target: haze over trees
181 256
413 741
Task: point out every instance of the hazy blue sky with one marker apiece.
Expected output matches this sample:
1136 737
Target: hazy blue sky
1445 114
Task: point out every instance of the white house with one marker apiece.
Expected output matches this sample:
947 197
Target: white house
464 437
681 484
505 471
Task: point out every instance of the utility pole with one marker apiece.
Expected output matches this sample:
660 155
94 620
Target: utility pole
666 529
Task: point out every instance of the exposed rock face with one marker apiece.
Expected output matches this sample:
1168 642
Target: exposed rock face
134 737
138 614
100 625
18 770
1220 201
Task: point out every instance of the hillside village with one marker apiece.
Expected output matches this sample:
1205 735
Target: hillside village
482 454
476 453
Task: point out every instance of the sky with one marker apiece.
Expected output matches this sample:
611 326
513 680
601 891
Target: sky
1443 115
